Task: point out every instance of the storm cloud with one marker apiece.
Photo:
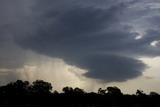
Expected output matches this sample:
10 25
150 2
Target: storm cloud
89 35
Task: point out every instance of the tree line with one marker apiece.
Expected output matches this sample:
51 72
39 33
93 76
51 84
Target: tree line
40 94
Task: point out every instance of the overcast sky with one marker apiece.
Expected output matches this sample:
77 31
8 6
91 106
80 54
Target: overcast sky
81 43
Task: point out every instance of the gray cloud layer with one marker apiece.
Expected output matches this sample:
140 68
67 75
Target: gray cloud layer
92 36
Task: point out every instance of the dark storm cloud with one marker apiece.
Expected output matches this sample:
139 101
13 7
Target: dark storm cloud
109 67
114 68
76 30
88 35
153 21
11 56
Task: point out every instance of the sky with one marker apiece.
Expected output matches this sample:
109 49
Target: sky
81 43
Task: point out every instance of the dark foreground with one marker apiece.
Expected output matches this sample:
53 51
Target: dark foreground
38 94
89 100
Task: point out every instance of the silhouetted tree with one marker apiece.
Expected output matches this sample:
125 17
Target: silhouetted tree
140 93
101 91
68 90
17 88
78 91
41 87
114 91
153 94
55 92
22 87
22 94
